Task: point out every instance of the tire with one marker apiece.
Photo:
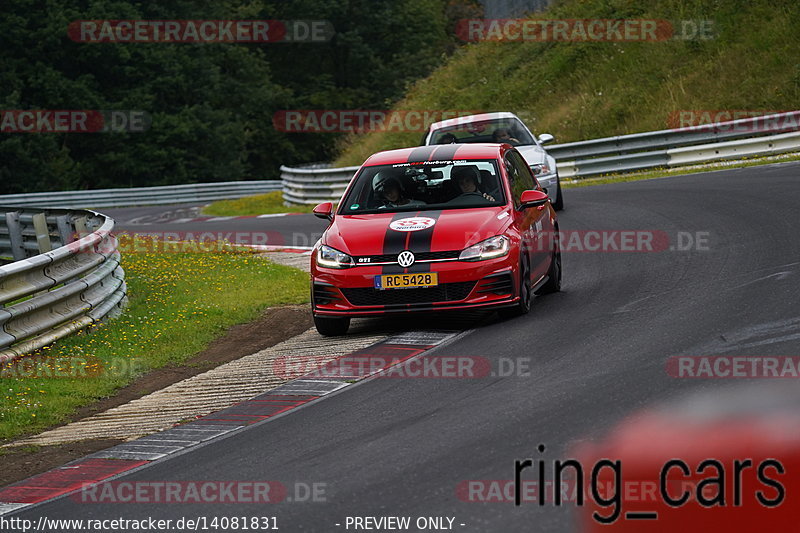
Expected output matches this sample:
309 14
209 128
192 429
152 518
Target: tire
331 327
523 306
553 283
559 203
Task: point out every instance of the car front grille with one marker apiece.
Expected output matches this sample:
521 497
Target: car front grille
418 256
446 292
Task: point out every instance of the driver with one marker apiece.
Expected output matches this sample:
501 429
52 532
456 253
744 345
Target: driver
467 179
448 138
391 192
502 135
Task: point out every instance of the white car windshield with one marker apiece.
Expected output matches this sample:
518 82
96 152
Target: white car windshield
501 130
427 185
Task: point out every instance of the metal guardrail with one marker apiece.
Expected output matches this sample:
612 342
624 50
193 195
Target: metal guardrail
315 185
172 194
756 136
64 276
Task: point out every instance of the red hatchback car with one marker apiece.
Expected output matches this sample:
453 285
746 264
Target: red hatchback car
434 228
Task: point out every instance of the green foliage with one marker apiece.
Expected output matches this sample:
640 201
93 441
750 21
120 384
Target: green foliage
585 90
211 104
259 204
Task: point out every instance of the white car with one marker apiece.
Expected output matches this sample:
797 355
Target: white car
503 127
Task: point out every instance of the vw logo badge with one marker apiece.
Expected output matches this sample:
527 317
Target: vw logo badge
405 259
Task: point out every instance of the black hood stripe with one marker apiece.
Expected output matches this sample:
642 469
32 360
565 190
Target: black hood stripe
445 152
418 155
394 242
417 241
420 241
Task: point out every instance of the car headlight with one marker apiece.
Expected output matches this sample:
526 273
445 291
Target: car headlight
488 249
332 258
538 170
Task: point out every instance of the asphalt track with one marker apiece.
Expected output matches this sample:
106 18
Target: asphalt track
297 230
597 354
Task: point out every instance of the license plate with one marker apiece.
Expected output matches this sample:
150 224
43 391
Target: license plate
406 281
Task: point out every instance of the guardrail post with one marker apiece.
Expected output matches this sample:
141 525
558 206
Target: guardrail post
15 236
42 233
65 230
80 227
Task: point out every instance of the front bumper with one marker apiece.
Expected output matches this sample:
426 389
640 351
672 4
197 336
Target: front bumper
462 285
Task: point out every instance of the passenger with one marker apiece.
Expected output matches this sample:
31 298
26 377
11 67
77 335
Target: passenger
391 192
467 179
503 136
448 138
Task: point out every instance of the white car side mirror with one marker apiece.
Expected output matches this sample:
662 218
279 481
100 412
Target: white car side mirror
545 138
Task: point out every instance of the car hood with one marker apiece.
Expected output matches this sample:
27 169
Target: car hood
452 229
533 154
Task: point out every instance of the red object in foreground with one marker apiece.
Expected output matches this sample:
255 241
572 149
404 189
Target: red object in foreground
727 461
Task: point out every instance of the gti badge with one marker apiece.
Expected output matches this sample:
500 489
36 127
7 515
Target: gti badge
405 259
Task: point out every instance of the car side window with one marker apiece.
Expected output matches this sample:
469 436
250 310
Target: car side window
519 175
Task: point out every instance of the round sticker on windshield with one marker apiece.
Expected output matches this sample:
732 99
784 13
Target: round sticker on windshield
412 224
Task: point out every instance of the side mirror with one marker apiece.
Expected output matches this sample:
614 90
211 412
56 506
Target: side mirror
533 199
324 210
545 138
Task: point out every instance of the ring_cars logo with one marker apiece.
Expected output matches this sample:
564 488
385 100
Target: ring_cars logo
412 224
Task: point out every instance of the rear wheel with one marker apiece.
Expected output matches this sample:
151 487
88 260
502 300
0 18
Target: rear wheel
558 205
523 305
331 326
553 283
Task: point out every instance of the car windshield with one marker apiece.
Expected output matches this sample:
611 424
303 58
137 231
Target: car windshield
500 130
427 185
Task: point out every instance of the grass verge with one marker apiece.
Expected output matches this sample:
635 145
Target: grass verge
179 302
260 204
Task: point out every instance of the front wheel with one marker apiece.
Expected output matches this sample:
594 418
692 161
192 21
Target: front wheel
523 305
553 283
331 327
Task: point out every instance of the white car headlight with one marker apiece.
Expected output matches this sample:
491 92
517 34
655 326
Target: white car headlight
488 249
332 258
539 170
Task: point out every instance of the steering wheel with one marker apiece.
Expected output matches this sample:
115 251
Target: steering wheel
465 198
